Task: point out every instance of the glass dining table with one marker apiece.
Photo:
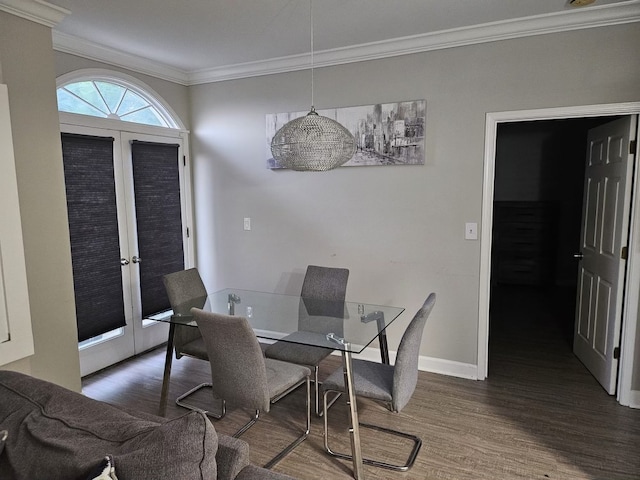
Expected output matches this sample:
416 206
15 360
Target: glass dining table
348 327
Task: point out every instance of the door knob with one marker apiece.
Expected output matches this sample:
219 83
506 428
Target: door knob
578 255
124 261
136 259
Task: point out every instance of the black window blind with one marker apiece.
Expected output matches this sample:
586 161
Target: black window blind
93 229
156 178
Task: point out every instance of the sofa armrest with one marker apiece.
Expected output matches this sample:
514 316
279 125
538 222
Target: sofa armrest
232 456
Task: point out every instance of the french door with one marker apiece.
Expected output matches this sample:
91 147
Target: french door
129 211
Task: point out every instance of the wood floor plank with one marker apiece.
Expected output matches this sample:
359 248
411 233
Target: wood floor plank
539 415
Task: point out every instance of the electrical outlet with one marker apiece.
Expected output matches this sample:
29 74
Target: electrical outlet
247 223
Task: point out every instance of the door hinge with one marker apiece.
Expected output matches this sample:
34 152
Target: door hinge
616 352
184 160
632 147
188 234
625 253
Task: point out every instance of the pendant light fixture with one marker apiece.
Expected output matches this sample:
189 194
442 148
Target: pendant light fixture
312 142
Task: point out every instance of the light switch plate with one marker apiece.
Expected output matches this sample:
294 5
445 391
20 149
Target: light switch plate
471 231
247 223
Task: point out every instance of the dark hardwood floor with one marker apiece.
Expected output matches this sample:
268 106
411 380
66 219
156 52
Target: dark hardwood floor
539 415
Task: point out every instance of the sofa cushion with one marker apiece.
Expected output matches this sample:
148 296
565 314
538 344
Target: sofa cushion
55 433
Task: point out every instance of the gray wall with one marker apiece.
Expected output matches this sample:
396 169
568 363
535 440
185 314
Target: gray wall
399 229
26 56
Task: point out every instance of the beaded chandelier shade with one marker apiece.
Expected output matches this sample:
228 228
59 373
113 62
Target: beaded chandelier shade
312 142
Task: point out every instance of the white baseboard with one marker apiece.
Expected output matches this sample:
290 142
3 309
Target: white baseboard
425 364
634 399
448 367
428 364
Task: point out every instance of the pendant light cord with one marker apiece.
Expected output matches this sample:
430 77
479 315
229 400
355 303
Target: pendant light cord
311 21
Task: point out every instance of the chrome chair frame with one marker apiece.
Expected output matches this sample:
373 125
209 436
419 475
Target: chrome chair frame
283 453
395 394
417 442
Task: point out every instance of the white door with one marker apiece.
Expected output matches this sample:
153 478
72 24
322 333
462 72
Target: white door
605 224
136 336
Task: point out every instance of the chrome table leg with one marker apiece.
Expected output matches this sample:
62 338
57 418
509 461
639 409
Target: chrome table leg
167 371
354 426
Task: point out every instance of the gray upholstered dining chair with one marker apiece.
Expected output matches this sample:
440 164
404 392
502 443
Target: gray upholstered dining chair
243 376
328 286
185 290
392 385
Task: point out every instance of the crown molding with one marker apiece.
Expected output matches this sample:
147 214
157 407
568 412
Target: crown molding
567 20
65 43
38 11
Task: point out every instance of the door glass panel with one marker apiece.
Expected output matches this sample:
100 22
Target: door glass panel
156 179
94 234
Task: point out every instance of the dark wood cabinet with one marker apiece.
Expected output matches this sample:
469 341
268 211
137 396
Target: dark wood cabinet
523 243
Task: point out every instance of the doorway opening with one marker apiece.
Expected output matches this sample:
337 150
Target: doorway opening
628 337
537 216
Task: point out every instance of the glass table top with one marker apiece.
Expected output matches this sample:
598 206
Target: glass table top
348 326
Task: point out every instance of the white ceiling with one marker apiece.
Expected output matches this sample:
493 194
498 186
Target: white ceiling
208 37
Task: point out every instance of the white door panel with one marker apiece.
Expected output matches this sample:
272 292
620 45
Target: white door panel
605 226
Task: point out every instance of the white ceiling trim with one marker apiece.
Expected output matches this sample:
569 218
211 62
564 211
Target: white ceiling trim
38 11
63 42
591 17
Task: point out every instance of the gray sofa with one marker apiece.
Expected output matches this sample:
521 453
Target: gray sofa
56 434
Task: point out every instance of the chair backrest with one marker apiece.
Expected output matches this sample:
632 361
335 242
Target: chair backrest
322 297
183 286
405 375
238 371
325 283
185 290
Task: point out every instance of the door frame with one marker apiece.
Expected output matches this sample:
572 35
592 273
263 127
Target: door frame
93 360
632 276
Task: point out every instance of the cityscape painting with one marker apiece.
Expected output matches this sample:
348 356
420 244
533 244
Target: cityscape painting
385 133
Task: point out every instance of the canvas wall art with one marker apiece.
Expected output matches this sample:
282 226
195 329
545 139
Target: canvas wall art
385 133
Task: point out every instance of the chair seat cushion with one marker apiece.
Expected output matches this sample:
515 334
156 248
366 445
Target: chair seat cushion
370 379
281 376
287 351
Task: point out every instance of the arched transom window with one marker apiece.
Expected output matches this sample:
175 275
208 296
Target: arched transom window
114 99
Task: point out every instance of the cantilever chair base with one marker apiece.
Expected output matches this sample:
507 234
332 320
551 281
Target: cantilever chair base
271 463
319 411
180 402
417 443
